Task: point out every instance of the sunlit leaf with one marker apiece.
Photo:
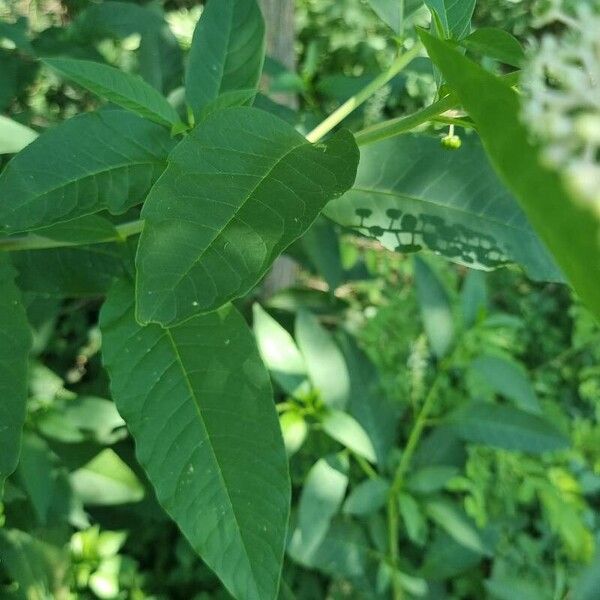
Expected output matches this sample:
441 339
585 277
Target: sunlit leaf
231 200
198 402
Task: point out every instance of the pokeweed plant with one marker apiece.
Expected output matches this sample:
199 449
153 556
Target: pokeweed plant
174 215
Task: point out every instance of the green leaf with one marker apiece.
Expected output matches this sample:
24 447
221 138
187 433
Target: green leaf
413 194
77 272
15 343
35 566
159 56
14 136
90 229
323 357
37 475
126 90
320 501
227 51
393 12
473 297
496 43
321 245
436 310
199 405
413 519
508 378
507 428
588 583
278 351
294 429
456 524
367 401
454 15
106 480
434 478
231 200
92 162
367 497
347 431
570 230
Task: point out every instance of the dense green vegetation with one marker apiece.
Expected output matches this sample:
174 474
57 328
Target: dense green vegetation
436 380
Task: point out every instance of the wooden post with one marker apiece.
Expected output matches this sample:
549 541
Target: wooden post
279 19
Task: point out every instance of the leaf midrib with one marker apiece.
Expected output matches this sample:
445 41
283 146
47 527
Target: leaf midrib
238 209
190 387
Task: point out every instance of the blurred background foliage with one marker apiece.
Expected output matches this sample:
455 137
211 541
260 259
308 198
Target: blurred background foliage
482 514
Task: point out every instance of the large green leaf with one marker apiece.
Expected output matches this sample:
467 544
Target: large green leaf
124 89
199 405
506 427
227 51
92 162
15 342
159 55
76 272
411 193
454 16
570 230
239 189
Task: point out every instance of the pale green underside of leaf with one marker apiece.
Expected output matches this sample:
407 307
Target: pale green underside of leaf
106 160
571 232
14 136
239 189
411 193
126 90
15 342
198 402
227 51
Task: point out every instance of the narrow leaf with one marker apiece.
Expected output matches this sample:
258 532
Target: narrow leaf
92 162
412 194
348 432
199 405
367 497
320 500
278 351
126 90
436 310
506 427
15 343
323 359
159 56
227 51
570 230
231 200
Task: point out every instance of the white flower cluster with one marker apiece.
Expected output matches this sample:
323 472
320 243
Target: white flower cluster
561 84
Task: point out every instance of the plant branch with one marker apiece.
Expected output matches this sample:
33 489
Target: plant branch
336 117
38 242
394 127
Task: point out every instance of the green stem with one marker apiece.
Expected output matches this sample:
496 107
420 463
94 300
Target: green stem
394 127
414 437
38 242
336 117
